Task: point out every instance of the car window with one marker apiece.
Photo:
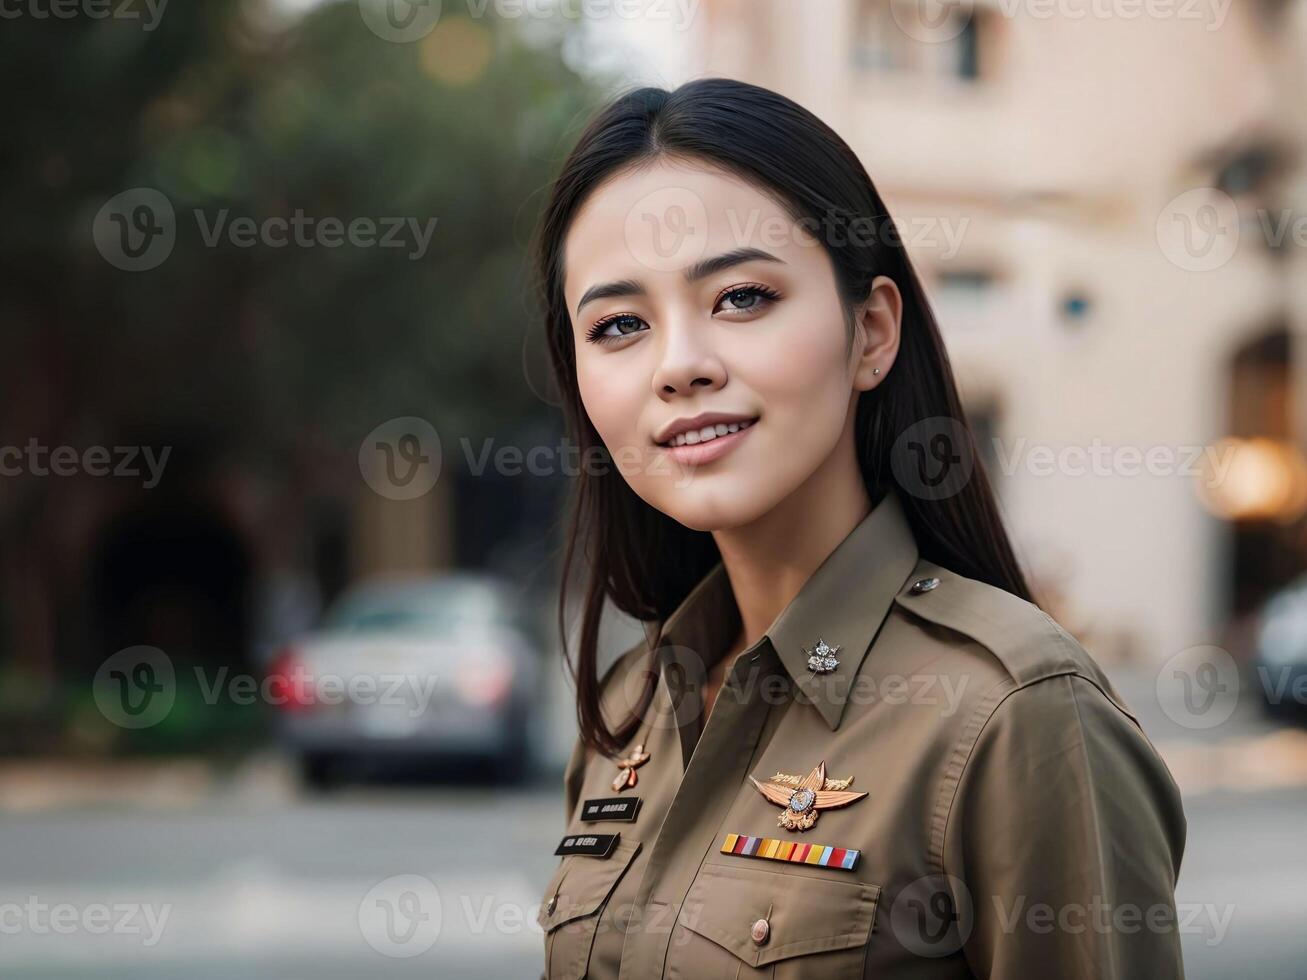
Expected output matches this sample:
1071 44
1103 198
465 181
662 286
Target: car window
436 611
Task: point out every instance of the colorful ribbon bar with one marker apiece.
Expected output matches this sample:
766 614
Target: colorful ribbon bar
788 850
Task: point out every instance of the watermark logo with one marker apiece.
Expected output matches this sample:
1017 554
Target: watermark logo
1199 230
683 670
136 230
932 21
400 916
1212 12
667 229
1101 917
1199 687
37 917
405 21
1207 465
942 21
148 12
933 459
400 459
305 231
36 459
136 687
932 916
1282 684
400 21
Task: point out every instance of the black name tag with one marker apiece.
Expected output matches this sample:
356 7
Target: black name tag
610 808
591 845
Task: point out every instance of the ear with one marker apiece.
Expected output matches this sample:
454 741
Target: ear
876 324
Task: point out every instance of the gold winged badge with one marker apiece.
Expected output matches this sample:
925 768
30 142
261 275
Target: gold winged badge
804 796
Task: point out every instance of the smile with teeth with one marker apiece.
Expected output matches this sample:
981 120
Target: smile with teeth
706 434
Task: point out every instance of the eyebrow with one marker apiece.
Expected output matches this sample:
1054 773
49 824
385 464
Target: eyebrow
700 270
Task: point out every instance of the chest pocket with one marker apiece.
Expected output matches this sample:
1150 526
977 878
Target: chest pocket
816 927
573 903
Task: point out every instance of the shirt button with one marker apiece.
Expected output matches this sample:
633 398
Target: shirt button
760 931
924 585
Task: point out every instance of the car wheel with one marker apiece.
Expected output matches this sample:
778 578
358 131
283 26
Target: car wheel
319 772
513 764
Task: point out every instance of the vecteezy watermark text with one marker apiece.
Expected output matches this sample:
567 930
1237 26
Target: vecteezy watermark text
305 231
35 459
137 230
670 228
148 12
405 21
1206 919
1101 459
941 21
137 688
37 917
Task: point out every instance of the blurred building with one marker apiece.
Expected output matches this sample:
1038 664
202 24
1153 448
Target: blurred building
1107 204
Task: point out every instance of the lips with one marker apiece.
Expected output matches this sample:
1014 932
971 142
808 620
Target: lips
702 429
707 433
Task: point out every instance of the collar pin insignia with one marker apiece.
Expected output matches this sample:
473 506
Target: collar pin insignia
626 777
821 658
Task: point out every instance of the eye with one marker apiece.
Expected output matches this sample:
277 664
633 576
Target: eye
615 327
748 298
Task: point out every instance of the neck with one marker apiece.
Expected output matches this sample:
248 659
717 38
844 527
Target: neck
768 560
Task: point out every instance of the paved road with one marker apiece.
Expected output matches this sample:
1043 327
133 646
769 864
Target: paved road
276 891
143 876
285 890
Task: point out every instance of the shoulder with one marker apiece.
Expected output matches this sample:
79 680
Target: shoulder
621 682
1000 642
1036 709
618 687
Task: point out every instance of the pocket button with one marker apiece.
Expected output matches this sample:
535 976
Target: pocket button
760 931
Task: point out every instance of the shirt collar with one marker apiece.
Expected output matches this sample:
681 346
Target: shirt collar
843 602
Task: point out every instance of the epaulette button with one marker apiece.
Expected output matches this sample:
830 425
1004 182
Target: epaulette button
923 585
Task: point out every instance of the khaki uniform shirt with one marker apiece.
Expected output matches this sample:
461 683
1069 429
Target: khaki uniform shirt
1017 823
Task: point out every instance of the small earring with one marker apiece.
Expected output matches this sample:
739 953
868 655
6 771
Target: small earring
875 370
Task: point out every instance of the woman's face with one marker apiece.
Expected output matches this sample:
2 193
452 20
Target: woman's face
697 303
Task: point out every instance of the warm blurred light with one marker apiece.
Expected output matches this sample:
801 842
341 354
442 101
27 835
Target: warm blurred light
457 52
1255 479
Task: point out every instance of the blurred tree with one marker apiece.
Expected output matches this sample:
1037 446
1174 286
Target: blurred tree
260 357
232 113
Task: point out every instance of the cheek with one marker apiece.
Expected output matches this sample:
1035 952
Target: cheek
612 399
801 375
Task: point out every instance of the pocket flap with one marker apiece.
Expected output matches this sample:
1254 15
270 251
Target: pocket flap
808 914
582 884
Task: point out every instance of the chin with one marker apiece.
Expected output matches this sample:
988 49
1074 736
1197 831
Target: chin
702 509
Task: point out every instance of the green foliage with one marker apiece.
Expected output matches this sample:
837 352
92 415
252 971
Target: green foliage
282 346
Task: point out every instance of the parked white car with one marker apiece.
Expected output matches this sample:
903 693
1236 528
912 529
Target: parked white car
420 670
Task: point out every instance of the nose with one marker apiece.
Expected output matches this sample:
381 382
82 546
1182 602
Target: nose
688 362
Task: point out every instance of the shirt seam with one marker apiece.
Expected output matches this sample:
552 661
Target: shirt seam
1093 813
956 766
966 743
1064 640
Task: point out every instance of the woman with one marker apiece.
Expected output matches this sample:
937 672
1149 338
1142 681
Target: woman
852 746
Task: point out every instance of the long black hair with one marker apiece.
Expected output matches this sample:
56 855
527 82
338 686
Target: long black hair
644 561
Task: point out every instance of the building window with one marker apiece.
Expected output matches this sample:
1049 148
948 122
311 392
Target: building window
900 37
965 287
